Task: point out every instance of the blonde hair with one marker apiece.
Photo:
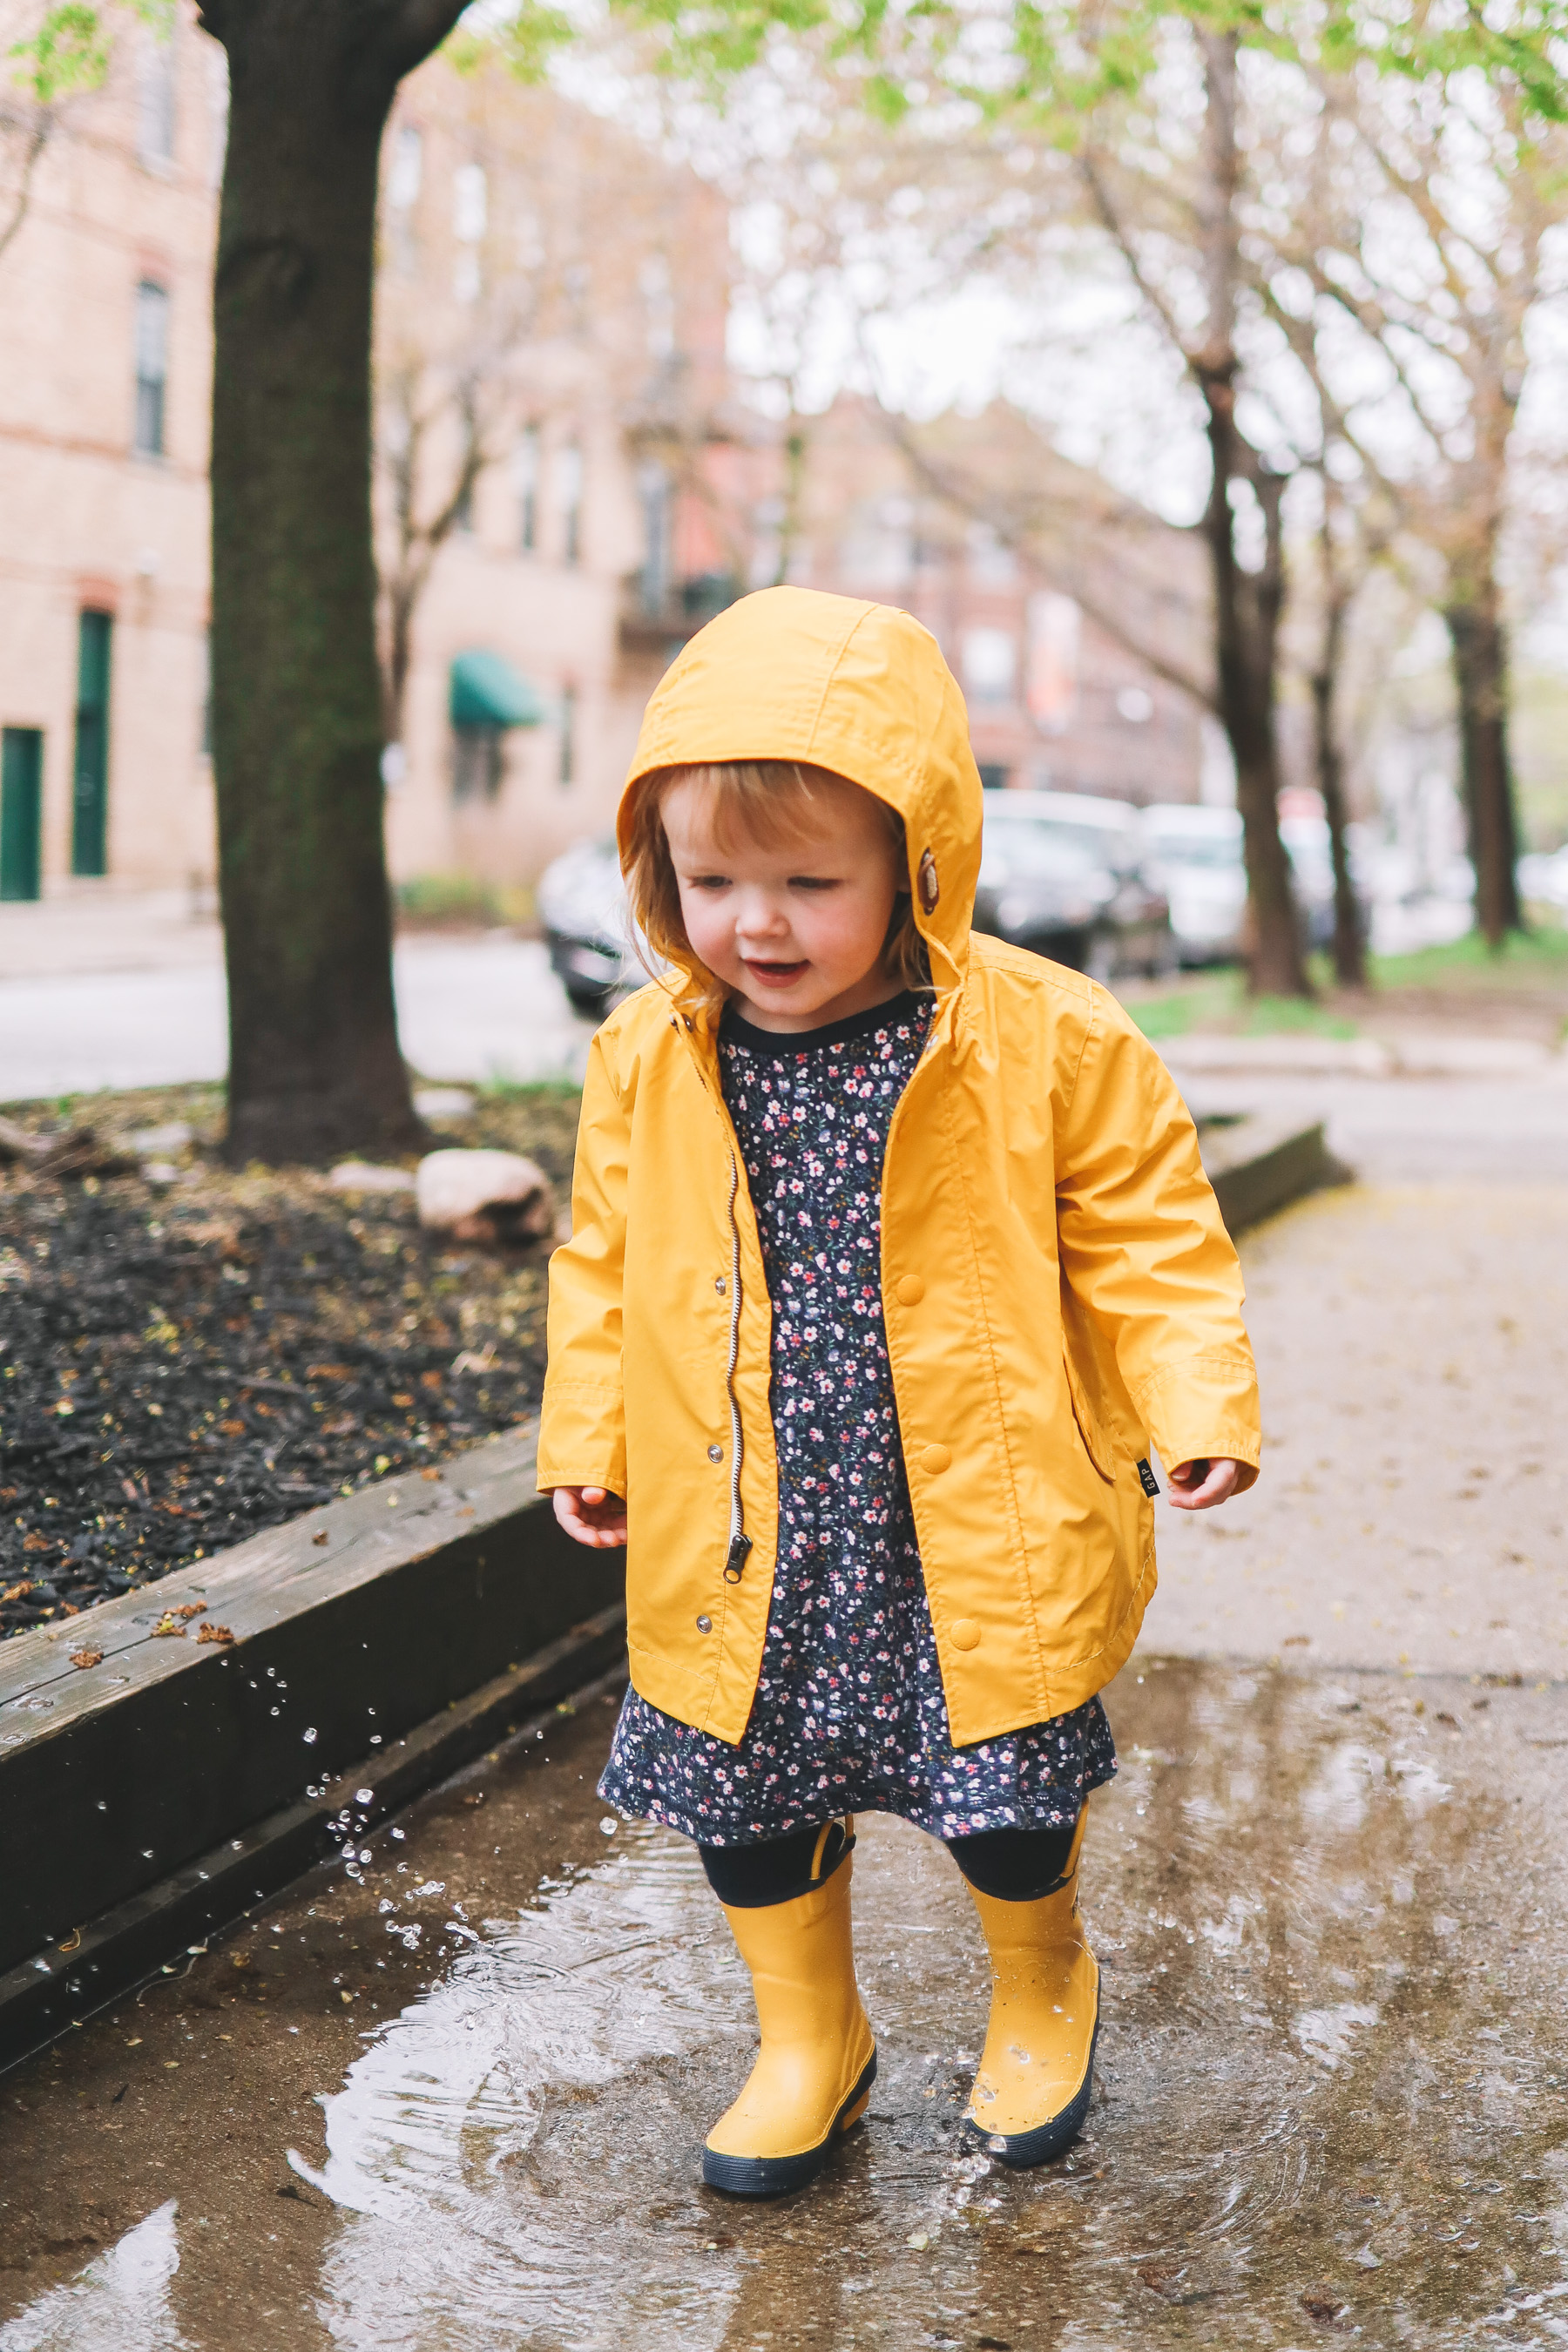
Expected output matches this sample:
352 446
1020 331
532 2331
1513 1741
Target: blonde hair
759 800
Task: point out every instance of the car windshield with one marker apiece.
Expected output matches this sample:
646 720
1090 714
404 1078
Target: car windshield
1215 849
1041 846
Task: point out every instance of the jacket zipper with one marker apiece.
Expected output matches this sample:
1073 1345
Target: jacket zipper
740 1541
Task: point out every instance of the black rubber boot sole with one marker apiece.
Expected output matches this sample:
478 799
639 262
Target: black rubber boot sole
775 2176
1023 2150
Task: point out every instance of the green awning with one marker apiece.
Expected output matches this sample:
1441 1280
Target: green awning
486 691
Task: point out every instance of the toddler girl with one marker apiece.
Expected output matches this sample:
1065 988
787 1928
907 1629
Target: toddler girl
891 1255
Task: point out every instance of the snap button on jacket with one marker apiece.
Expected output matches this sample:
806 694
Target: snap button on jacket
1079 1297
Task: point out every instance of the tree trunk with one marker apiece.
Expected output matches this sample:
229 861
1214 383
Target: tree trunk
1246 631
314 1066
1480 672
1247 605
1350 948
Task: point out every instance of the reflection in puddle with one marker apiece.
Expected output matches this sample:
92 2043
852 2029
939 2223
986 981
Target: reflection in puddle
119 2302
1308 2079
511 2141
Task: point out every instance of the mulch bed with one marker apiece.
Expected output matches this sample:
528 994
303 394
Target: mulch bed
189 1358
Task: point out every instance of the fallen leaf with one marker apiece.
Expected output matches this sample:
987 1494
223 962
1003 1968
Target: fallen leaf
1323 2305
189 1609
430 1473
87 1657
168 1625
320 1537
72 1942
214 1633
17 1591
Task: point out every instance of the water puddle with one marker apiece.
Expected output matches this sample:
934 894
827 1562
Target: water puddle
120 2303
1333 2062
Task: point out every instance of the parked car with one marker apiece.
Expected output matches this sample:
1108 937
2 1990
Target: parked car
1060 874
1193 855
1545 880
1310 849
582 903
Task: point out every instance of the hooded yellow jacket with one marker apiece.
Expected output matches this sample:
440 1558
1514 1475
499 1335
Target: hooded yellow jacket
1058 1288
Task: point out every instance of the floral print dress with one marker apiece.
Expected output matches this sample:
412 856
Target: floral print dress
849 1714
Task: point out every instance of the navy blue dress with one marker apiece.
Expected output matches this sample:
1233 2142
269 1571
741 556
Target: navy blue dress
849 1714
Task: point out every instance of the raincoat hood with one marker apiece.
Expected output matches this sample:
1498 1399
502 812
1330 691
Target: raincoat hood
796 674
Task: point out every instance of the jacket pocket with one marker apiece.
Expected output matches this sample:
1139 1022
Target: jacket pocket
1096 1442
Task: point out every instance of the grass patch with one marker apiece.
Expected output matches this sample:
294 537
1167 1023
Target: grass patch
1539 956
461 899
1218 1000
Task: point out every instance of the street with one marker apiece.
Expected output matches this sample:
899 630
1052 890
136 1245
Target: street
460 2104
132 995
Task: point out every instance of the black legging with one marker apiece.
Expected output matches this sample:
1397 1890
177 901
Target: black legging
1014 1865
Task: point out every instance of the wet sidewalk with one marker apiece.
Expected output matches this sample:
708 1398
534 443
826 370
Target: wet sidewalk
458 2101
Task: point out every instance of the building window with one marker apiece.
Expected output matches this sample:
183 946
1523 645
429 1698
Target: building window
21 812
990 665
406 172
217 112
525 473
155 98
470 217
89 776
477 763
653 491
570 480
992 562
1052 690
152 339
658 299
568 736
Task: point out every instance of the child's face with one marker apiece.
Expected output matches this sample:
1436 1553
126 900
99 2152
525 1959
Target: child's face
795 928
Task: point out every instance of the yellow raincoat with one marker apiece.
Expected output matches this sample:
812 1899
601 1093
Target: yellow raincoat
1059 1291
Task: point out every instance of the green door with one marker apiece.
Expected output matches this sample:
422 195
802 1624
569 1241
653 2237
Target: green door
90 798
21 811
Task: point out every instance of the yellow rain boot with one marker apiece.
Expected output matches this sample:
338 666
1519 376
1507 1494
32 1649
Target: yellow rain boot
1031 2093
814 2072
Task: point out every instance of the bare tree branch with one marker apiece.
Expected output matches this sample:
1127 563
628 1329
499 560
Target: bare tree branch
38 139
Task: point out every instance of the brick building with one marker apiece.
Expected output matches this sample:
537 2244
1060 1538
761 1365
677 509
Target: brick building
544 281
105 291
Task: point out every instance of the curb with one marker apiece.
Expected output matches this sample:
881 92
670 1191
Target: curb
1259 1165
150 1797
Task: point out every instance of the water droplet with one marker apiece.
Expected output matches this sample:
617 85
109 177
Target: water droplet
310 1736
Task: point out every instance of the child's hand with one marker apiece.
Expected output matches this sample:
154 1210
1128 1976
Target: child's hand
1199 1486
590 1514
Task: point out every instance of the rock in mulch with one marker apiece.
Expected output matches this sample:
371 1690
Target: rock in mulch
484 1197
